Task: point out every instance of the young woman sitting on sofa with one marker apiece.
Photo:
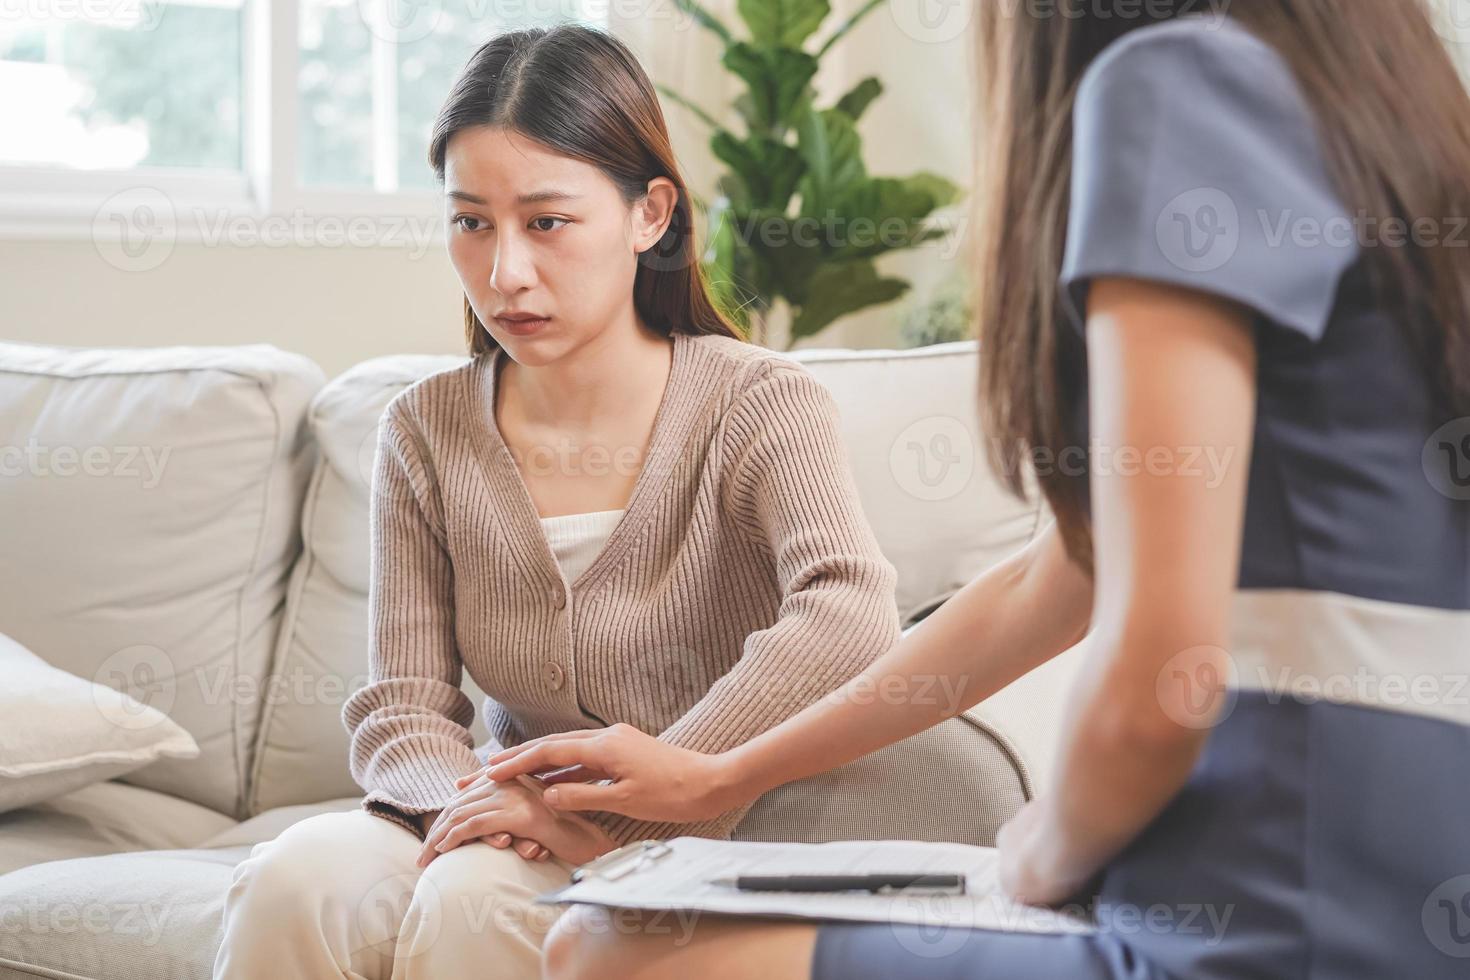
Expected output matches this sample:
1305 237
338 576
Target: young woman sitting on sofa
616 512
1257 225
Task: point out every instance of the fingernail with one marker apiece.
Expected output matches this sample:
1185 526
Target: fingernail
552 796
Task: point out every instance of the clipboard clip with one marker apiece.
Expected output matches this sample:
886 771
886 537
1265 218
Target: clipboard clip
623 861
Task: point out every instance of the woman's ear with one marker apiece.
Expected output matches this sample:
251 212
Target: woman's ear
652 214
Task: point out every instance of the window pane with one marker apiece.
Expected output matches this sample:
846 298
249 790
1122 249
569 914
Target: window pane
150 84
426 69
336 114
405 50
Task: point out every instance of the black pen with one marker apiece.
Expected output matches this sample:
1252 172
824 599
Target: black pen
937 884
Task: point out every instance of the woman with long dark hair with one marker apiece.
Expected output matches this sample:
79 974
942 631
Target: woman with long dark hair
615 512
1238 238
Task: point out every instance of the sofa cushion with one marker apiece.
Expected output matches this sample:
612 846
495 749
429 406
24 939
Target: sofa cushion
149 512
145 915
149 915
104 818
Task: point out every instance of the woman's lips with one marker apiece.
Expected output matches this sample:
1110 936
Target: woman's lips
522 328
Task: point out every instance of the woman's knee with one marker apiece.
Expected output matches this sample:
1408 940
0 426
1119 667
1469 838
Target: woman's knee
577 948
479 889
307 859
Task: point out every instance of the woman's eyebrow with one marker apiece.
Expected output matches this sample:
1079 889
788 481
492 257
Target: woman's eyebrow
534 197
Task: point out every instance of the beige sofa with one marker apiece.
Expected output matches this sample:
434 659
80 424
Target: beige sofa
228 586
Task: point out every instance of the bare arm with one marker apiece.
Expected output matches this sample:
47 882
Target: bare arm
1175 370
1016 616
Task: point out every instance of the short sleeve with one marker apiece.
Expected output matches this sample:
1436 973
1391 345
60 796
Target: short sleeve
1196 162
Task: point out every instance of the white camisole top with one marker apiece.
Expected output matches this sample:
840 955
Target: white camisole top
577 539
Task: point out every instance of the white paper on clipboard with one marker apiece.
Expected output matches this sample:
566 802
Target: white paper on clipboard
675 875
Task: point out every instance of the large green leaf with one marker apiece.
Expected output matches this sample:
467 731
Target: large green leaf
839 288
769 169
783 22
860 96
778 80
786 256
731 185
829 145
892 211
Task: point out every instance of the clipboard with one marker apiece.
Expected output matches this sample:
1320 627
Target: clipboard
676 876
623 861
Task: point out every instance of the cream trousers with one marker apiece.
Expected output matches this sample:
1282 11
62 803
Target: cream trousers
338 895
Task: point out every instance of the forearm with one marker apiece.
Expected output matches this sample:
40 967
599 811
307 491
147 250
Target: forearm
1016 616
1124 756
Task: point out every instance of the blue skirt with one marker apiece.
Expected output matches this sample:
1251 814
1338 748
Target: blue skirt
1312 840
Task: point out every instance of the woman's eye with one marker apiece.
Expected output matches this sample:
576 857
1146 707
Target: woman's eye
469 222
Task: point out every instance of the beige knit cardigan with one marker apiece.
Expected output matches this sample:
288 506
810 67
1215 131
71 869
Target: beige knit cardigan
741 584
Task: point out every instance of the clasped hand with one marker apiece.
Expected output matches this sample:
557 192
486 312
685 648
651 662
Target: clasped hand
501 813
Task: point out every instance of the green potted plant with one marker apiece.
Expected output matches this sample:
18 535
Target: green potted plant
797 217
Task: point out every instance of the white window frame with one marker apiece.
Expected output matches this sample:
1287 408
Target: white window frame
44 202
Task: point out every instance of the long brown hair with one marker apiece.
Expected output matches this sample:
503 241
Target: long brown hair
1394 121
581 92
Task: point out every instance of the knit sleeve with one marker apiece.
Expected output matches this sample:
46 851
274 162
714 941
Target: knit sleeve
410 722
786 480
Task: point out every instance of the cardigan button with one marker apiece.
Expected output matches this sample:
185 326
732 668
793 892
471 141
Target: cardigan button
558 597
554 675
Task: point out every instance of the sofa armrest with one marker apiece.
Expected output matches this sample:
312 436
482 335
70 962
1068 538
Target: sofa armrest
957 781
1027 716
